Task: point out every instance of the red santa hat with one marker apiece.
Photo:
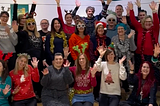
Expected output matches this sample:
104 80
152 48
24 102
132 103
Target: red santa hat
101 23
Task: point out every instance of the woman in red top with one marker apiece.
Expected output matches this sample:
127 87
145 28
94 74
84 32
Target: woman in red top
147 36
84 81
68 27
22 76
78 38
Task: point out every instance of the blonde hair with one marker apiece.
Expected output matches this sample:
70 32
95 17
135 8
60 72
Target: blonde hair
144 19
25 69
30 33
20 16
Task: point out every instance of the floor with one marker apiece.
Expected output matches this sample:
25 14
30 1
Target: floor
123 98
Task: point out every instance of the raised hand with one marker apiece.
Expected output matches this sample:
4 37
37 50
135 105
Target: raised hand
127 11
101 50
122 60
34 62
66 52
102 1
67 64
150 105
6 89
45 63
57 1
153 5
45 71
138 3
34 2
94 70
78 4
131 33
16 90
15 1
156 50
109 1
124 20
15 26
130 5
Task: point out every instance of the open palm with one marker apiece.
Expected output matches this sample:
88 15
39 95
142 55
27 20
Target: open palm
34 62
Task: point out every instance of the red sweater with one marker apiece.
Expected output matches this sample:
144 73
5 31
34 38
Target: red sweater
77 40
83 82
148 45
26 90
67 29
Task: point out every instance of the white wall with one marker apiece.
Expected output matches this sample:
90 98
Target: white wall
48 9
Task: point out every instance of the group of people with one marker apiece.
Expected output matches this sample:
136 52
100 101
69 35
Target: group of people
82 63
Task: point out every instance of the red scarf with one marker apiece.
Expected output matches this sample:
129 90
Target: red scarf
143 40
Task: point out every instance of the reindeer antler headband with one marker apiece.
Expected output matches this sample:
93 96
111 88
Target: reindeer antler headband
4 7
68 11
9 55
84 46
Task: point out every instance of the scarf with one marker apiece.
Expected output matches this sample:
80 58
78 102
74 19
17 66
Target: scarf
143 40
60 35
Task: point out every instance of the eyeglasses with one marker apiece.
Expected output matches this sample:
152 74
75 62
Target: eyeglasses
112 20
4 16
148 21
44 23
81 26
33 23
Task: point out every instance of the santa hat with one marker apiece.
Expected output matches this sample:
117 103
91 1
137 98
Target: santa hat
101 23
111 16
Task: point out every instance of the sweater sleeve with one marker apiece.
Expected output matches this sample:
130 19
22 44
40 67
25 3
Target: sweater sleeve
132 44
60 15
99 65
67 75
15 6
159 12
122 72
45 80
93 81
71 44
33 8
153 92
102 13
75 11
156 26
8 82
134 22
13 37
35 74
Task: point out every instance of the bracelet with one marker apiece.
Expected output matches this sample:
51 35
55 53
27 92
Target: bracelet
154 11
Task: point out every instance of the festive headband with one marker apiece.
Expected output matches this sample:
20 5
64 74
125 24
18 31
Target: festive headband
68 11
84 46
4 7
24 54
111 46
30 15
6 56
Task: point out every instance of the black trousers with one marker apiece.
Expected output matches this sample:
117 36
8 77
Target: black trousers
109 100
26 102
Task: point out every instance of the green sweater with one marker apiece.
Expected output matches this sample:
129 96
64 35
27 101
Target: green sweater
4 98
